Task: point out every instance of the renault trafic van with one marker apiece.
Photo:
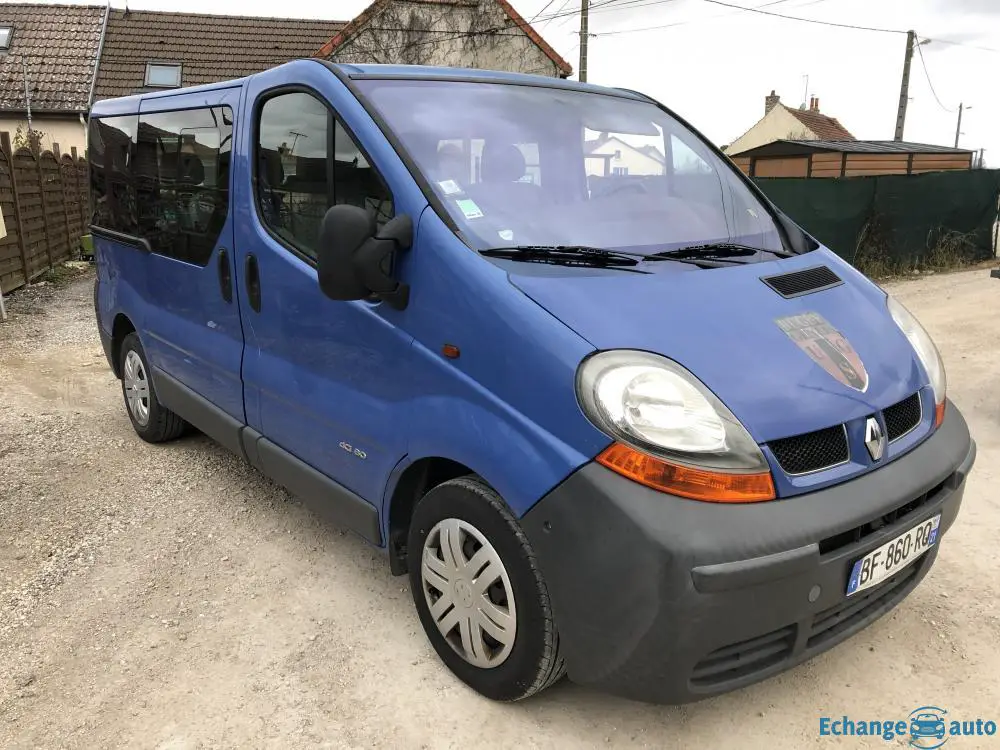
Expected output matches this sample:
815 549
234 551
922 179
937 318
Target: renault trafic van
612 412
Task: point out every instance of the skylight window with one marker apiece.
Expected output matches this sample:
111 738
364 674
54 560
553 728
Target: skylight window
6 33
163 75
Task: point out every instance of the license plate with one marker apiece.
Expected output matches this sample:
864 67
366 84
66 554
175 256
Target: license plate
893 556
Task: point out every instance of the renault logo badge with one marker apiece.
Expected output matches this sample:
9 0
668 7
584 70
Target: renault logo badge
874 439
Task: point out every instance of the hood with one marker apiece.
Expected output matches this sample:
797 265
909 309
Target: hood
739 336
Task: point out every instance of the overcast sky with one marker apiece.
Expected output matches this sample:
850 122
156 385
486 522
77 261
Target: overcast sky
714 65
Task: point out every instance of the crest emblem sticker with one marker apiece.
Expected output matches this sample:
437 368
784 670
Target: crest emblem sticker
827 347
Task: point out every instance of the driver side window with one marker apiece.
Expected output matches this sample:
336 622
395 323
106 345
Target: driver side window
307 162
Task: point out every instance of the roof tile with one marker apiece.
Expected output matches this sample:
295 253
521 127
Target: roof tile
210 47
822 125
56 45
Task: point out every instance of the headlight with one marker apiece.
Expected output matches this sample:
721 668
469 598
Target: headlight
670 425
926 351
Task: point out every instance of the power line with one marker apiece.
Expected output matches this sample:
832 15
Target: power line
699 20
806 20
558 10
598 6
494 31
544 8
923 64
603 7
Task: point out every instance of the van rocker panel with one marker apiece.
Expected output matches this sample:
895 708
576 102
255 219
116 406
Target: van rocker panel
322 495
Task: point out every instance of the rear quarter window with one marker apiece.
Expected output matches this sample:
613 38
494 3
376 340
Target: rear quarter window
111 142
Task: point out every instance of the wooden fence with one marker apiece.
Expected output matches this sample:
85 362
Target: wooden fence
44 199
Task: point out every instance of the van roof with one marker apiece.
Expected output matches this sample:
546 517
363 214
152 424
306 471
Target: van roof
126 104
130 104
431 72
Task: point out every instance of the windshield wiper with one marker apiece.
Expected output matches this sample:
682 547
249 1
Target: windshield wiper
716 255
567 255
720 250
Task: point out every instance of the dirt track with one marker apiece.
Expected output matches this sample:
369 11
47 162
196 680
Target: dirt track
170 597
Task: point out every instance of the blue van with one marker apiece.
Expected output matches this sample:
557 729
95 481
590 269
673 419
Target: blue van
613 413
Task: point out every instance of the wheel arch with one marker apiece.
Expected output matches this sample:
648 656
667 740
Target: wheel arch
121 328
415 480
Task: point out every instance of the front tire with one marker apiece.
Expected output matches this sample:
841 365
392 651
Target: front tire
152 421
479 594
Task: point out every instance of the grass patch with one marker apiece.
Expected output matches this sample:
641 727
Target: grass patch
63 274
946 250
951 250
872 254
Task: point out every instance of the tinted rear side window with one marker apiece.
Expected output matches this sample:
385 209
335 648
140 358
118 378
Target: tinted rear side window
181 172
111 148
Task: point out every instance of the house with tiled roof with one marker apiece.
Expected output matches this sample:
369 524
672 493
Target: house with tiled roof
148 50
57 59
485 34
789 123
48 54
611 155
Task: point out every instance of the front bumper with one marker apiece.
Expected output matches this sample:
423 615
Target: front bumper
668 600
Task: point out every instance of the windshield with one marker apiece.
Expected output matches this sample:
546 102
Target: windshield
527 165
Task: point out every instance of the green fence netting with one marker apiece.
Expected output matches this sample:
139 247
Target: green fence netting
907 215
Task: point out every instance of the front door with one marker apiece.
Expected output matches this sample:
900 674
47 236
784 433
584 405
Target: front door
325 380
193 330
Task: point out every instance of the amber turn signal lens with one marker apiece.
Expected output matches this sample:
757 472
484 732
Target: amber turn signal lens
697 484
938 414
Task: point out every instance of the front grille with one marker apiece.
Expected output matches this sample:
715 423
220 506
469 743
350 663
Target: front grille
743 658
812 451
901 418
808 280
851 536
852 613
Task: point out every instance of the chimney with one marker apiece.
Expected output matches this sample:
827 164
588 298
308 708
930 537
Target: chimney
770 101
814 104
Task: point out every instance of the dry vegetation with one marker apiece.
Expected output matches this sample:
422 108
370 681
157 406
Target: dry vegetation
946 250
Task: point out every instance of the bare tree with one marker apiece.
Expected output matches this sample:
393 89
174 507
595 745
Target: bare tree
472 34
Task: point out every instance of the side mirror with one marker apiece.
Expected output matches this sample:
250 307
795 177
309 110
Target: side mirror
356 260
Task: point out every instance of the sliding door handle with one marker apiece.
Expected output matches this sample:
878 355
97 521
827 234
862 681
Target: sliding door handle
252 277
225 275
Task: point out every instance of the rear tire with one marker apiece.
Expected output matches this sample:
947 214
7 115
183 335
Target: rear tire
152 421
472 570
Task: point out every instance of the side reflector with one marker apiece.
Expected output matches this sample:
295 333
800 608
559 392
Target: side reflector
697 484
939 414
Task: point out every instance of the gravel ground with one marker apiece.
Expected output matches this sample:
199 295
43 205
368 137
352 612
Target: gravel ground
170 597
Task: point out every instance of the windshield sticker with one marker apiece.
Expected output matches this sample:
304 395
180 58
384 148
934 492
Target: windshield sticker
450 187
506 234
469 208
827 347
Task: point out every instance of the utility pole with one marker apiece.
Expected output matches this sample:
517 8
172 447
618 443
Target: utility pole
584 37
904 88
958 128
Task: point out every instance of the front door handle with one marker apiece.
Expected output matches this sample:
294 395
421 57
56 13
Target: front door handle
225 276
252 276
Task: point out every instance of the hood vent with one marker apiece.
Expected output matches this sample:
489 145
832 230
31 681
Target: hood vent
806 281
